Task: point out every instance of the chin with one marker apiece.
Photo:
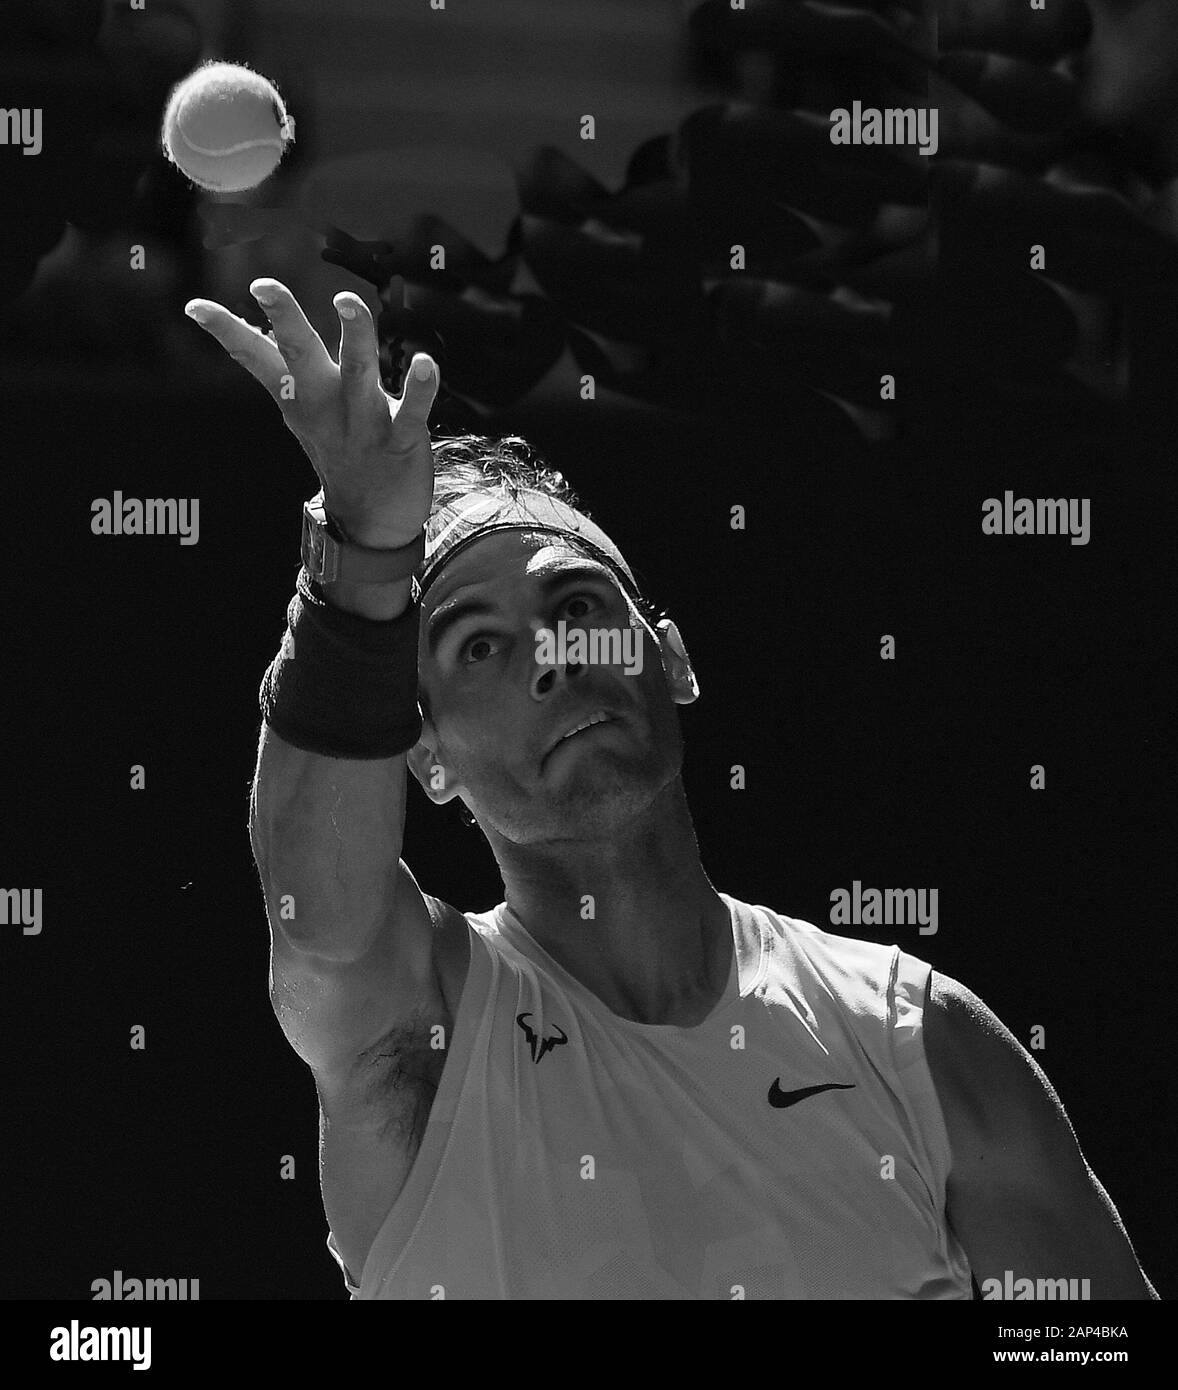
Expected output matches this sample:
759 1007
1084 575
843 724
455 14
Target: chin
603 802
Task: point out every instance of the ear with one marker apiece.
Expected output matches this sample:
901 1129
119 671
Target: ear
681 679
432 775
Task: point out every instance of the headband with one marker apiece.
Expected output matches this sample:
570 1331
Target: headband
477 514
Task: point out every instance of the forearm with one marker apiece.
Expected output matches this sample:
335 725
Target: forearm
326 836
381 602
327 832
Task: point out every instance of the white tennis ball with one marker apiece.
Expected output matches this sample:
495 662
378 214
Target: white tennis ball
226 127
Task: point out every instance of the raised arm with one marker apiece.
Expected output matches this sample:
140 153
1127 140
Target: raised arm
352 940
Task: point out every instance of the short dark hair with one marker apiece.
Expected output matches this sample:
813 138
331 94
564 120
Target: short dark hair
504 467
476 463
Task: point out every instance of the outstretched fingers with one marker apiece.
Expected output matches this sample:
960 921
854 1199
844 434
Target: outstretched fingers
359 356
302 348
293 365
411 410
252 349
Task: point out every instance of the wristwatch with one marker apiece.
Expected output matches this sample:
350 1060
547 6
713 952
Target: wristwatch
329 555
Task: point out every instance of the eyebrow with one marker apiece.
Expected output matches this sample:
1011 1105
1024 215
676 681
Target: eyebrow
445 617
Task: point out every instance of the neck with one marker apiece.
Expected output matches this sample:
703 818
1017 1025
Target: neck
631 914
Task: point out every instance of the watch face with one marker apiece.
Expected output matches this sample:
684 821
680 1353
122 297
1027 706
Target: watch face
315 555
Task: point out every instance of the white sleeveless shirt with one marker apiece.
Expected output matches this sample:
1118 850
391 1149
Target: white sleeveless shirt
573 1154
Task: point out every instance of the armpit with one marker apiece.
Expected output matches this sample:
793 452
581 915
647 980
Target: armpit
397 1077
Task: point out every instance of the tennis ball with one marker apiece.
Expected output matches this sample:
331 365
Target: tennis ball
225 127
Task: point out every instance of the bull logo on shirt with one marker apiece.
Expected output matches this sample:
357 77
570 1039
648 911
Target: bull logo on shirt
538 1045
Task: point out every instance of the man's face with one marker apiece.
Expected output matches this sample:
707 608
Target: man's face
497 714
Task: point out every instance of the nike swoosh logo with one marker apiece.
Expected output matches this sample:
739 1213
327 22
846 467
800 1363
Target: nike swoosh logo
779 1099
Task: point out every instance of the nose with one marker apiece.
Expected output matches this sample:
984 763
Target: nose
548 675
547 678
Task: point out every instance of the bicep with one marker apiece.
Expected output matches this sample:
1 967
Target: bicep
1020 1196
331 1009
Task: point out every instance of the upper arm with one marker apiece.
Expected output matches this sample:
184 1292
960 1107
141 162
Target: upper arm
332 1009
1020 1195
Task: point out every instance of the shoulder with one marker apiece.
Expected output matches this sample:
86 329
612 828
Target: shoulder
1001 1111
876 990
1020 1193
849 959
969 1045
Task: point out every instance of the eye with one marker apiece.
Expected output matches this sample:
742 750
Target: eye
484 645
579 598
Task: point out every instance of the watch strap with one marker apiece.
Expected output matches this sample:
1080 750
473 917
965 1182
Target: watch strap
329 555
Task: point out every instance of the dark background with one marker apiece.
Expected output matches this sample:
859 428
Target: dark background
1056 907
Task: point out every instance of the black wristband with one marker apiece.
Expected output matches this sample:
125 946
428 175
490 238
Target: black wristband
342 685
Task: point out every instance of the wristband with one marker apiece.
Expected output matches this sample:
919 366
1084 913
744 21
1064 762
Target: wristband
341 685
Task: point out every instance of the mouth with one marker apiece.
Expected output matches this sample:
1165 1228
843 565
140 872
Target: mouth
589 721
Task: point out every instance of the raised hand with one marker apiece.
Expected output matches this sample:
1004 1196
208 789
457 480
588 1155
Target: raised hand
371 451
